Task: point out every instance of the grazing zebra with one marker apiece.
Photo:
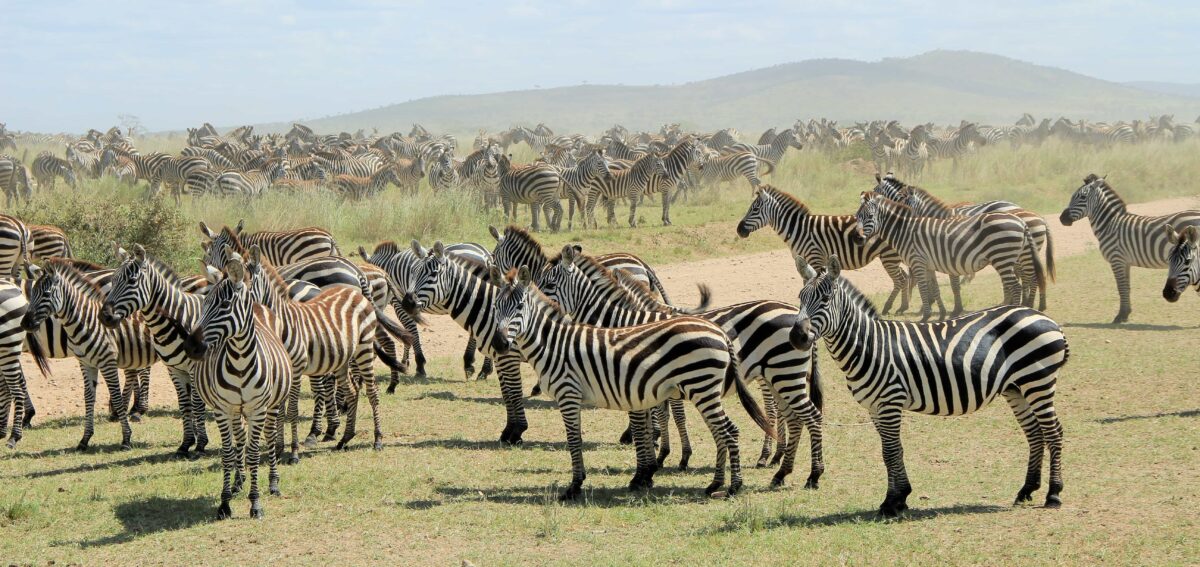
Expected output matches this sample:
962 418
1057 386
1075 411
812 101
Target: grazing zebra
812 239
278 247
401 265
515 248
913 152
925 204
534 184
685 157
13 390
577 364
357 188
1183 268
957 144
14 180
629 184
950 368
729 167
249 183
75 301
47 168
244 373
763 349
463 288
133 167
1126 240
958 245
409 173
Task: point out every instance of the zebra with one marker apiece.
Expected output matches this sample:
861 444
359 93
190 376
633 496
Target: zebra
957 144
14 244
579 179
278 247
14 180
950 368
534 184
763 348
176 174
442 174
48 242
959 245
515 248
913 152
576 364
13 389
1126 239
133 166
409 173
244 373
729 167
250 183
75 301
47 168
401 266
356 188
773 151
1183 269
813 238
925 204
685 157
629 184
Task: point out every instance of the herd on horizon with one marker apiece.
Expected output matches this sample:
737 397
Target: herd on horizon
275 306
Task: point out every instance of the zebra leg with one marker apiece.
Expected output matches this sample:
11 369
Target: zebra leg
666 207
142 407
769 405
320 404
627 435
1121 272
1052 433
887 424
899 285
253 454
509 370
5 403
610 206
128 393
1037 445
486 370
680 418
927 285
389 347
956 289
569 405
239 435
366 379
112 378
1011 280
293 418
469 359
271 431
351 409
229 461
333 415
199 419
633 205
660 423
534 210
179 380
410 325
643 477
553 207
14 384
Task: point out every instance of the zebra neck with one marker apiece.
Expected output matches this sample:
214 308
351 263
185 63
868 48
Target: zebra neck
856 340
78 315
471 302
1103 209
172 301
540 336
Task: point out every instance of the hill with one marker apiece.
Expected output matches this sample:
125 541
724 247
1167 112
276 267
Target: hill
939 86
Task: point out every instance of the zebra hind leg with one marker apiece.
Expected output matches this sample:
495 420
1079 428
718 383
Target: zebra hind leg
643 477
1037 445
769 406
661 418
680 418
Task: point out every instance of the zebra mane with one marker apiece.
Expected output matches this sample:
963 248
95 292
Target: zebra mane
640 291
471 266
630 293
536 296
928 198
526 240
787 198
388 247
857 298
81 265
1106 189
275 281
164 270
234 241
77 279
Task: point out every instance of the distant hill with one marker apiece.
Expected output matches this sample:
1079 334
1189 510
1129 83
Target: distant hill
939 86
1179 89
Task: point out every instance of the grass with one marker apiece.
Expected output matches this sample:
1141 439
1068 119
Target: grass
443 491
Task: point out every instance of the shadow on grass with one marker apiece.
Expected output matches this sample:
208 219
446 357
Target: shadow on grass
1127 326
490 444
1123 418
155 514
596 497
866 516
452 397
97 467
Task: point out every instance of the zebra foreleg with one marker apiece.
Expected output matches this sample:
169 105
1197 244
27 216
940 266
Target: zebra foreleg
1121 273
956 289
569 405
685 443
229 461
901 285
509 371
112 378
271 430
887 424
666 207
320 405
179 379
769 406
643 478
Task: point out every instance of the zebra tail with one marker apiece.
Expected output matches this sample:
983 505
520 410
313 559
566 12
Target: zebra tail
756 413
1039 271
39 355
536 391
387 359
705 301
653 277
769 166
815 393
1050 272
393 327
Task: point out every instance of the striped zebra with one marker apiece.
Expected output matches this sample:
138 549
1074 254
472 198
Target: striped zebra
75 301
1183 268
463 288
244 373
537 185
773 151
401 265
250 183
14 392
812 239
579 179
48 242
912 152
763 348
280 247
177 173
14 245
686 157
47 168
515 248
957 246
628 184
14 180
576 364
357 188
1126 239
950 368
957 144
134 167
728 168
442 174
409 173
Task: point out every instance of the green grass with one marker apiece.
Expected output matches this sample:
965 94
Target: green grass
442 490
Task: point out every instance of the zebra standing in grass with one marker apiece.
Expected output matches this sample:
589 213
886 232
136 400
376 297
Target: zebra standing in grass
774 151
1183 265
14 180
579 179
13 389
409 173
280 247
957 144
47 168
244 373
537 185
730 167
48 242
177 174
763 349
576 365
812 239
913 152
1126 239
629 184
951 368
75 301
14 244
959 245
516 247
250 183
356 188
442 174
685 157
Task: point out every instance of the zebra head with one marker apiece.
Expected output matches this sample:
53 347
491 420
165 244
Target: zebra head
219 244
45 296
512 308
1077 208
596 165
562 281
227 311
130 288
819 298
760 213
867 216
430 284
1183 269
889 186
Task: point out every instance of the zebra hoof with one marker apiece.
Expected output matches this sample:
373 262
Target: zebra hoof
330 436
626 438
778 458
126 445
570 494
223 511
762 463
734 488
12 443
712 488
779 480
29 413
391 389
274 490
812 483
683 461
292 459
182 452
310 441
378 446
1120 318
256 510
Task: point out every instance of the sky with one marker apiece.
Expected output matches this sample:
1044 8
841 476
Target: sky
71 65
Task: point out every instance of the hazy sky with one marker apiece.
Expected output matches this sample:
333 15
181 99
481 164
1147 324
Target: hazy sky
70 65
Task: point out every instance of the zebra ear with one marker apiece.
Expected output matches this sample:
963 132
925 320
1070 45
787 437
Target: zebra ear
363 252
1192 234
878 178
256 254
418 249
495 233
495 275
439 249
232 254
570 252
211 273
207 231
119 252
139 252
240 225
236 270
1172 236
834 267
523 276
35 271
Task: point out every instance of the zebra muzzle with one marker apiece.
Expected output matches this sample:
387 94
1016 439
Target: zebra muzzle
802 335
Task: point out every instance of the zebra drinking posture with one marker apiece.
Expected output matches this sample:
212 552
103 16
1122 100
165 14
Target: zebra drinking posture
577 364
950 368
1183 267
1126 240
814 238
960 246
244 373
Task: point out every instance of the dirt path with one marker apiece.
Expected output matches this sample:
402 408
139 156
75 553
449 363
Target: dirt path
765 275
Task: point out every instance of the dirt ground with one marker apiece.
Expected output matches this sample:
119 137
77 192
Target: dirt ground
766 275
